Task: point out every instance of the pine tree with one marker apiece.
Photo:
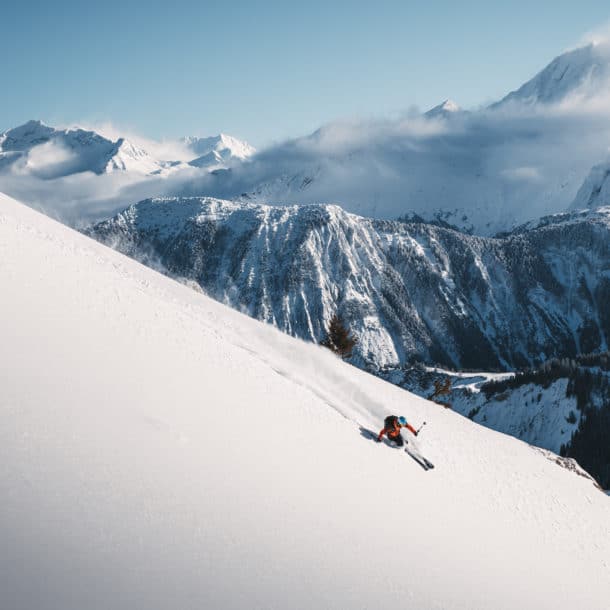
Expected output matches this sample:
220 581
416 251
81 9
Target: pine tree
338 338
441 389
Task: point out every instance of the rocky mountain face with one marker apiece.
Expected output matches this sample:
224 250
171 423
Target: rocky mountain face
408 291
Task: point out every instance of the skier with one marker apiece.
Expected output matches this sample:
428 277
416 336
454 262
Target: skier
392 425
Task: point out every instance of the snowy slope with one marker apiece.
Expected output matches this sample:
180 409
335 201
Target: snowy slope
407 290
535 414
158 450
563 406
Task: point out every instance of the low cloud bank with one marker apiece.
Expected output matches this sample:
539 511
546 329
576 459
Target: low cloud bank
481 170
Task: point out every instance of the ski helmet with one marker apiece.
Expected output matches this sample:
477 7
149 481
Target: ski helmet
402 421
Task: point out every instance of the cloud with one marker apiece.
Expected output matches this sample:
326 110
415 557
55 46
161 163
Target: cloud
491 167
85 197
526 174
341 137
47 160
597 36
165 150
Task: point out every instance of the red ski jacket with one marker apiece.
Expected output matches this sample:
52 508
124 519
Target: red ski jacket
394 431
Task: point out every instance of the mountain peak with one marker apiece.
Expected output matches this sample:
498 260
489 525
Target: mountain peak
217 150
34 124
446 108
70 150
583 72
25 136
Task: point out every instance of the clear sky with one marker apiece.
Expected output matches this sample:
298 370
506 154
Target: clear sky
267 70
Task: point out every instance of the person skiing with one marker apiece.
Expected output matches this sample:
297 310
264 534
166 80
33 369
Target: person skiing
392 425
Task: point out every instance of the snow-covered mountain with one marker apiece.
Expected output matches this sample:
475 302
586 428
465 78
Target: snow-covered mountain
595 190
217 151
445 110
43 151
478 173
407 290
79 175
161 450
485 172
581 73
46 152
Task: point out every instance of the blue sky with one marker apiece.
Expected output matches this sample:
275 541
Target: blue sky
264 71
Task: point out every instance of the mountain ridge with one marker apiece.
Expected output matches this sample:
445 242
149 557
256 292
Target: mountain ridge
408 290
50 153
78 151
485 171
582 72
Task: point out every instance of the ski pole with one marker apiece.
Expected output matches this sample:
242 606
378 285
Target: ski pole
419 429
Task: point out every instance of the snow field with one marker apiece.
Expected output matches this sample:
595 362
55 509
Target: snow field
158 449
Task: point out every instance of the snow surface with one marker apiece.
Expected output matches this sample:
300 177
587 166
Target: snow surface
540 413
158 449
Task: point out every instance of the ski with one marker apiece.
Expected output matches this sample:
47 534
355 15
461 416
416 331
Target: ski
420 459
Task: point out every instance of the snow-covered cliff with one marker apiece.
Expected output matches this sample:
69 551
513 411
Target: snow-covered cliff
407 290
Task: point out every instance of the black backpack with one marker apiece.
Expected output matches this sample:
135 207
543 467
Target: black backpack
389 422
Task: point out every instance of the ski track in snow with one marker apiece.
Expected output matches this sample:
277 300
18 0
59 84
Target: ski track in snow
158 449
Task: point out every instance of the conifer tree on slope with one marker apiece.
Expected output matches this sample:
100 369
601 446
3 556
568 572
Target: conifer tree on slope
338 338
